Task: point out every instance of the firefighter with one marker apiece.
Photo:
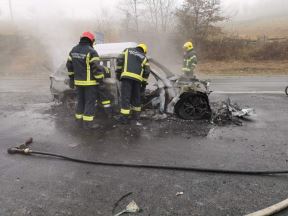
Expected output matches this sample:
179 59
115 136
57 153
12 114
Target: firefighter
104 96
133 71
84 72
190 60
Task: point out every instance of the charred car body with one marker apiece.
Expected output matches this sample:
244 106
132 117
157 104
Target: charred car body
166 92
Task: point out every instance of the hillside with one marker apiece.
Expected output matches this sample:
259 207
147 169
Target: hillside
273 27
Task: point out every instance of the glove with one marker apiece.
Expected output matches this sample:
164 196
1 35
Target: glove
142 90
143 86
71 83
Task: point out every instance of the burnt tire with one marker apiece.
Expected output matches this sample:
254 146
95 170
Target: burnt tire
193 107
286 90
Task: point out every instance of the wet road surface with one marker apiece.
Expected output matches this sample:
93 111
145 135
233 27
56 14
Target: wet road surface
254 84
45 186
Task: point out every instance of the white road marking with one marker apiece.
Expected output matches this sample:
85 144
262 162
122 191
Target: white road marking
249 92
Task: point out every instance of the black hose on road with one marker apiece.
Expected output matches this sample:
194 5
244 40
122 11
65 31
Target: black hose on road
27 151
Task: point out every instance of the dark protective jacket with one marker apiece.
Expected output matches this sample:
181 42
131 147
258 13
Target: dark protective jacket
83 65
133 64
190 61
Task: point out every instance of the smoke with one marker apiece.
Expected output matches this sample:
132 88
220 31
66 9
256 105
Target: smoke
53 27
253 9
47 30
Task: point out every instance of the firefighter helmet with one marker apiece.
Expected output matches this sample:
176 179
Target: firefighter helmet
143 46
88 35
188 46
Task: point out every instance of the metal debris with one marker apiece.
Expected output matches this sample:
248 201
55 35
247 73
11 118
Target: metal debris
119 200
160 116
179 193
226 112
132 207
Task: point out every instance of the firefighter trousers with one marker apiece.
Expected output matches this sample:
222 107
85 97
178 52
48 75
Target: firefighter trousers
86 96
104 97
189 74
130 96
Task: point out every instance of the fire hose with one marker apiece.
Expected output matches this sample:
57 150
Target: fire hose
25 150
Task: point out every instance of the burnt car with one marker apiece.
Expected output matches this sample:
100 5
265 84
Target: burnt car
166 93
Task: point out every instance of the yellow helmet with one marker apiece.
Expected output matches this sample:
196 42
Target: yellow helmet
143 46
188 46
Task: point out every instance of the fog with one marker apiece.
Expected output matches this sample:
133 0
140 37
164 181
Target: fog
254 9
75 9
56 25
60 9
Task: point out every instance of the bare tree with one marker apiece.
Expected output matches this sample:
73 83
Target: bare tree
197 18
160 13
131 10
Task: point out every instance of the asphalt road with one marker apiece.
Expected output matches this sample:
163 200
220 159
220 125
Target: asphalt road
254 85
219 84
44 186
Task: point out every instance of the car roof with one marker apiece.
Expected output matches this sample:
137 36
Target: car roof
113 49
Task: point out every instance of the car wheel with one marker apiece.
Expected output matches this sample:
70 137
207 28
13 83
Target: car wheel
286 90
193 107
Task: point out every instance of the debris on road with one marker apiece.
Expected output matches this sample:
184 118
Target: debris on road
226 112
119 200
73 145
160 116
132 207
179 193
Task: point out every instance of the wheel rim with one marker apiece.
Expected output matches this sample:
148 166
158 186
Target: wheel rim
194 107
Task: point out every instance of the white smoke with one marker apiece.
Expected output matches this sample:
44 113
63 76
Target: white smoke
253 9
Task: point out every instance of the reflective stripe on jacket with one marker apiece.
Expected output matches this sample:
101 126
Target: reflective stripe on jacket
190 61
133 64
83 65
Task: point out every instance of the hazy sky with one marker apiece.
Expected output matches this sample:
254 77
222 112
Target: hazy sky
55 10
251 9
31 9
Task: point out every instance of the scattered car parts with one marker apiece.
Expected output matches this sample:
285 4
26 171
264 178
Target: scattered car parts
226 112
132 207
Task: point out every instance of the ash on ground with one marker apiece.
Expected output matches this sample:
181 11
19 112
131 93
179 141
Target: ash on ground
224 113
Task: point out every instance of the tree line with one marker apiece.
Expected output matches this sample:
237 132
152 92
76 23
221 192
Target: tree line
172 22
191 19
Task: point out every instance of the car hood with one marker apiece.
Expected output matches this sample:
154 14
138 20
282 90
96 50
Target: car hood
113 49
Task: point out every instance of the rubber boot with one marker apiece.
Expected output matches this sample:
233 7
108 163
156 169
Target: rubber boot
88 125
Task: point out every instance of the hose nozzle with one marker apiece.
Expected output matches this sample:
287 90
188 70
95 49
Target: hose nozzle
16 150
21 149
13 150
